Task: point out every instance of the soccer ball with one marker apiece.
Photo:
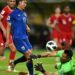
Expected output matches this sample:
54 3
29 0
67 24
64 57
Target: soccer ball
51 45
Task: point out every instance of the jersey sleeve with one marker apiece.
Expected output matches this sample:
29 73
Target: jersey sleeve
3 12
27 20
59 53
26 17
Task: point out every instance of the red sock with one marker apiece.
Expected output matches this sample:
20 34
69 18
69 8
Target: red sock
12 52
12 55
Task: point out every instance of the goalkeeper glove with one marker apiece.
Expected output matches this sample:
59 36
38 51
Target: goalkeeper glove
39 67
35 56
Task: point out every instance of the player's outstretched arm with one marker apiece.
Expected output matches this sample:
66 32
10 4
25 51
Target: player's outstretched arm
48 54
45 54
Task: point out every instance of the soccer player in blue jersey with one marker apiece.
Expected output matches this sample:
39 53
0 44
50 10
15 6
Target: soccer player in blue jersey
17 21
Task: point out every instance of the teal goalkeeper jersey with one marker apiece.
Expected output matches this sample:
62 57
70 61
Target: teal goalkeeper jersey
67 68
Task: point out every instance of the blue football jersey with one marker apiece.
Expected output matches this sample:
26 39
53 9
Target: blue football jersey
18 20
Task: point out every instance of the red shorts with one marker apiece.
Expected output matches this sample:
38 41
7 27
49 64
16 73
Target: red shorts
56 35
63 36
3 40
67 36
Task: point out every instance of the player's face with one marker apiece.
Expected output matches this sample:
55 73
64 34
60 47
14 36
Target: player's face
64 58
58 10
11 3
23 4
67 9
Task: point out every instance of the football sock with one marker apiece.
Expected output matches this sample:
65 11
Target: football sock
12 53
12 56
19 60
30 67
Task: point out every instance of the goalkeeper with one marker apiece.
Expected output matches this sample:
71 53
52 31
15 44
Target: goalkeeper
65 66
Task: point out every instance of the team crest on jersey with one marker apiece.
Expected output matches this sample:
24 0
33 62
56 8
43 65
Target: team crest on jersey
70 19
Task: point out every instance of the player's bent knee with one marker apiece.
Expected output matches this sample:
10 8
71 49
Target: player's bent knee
30 52
27 54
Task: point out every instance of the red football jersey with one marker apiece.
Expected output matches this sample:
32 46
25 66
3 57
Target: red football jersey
4 13
65 22
54 19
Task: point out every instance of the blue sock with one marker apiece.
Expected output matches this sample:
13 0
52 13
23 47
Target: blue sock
30 67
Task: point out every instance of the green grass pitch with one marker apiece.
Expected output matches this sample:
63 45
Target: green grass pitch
48 63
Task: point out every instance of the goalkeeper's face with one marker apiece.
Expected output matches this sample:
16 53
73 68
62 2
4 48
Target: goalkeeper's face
64 58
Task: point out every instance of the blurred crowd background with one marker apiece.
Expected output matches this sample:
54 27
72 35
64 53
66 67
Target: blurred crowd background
38 13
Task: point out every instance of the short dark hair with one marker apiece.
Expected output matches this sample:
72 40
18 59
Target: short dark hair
69 53
17 1
66 6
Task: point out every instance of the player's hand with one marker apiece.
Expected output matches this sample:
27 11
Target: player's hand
39 67
28 28
35 56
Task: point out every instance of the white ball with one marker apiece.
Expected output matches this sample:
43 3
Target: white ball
51 45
